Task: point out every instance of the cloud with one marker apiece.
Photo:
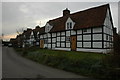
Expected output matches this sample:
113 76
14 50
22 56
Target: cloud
24 8
16 15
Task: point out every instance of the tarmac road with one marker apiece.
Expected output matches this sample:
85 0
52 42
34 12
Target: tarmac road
15 66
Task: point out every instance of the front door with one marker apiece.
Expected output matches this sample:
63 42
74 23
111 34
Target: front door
73 43
41 43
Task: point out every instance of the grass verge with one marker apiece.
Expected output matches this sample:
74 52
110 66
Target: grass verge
83 63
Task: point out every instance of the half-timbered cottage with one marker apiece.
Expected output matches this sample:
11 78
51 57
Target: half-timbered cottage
38 35
88 30
28 38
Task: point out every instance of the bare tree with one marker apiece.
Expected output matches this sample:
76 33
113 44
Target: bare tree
20 30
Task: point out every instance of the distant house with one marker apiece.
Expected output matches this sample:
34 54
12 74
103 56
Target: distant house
89 30
37 32
28 38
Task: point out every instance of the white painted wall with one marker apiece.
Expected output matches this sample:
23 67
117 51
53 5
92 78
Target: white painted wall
48 35
49 40
45 35
67 49
86 37
97 36
62 33
73 32
87 44
48 27
79 37
49 46
53 45
94 50
45 45
53 39
88 30
62 38
96 30
62 44
53 34
41 36
79 31
67 44
79 44
97 44
67 33
108 24
58 33
58 44
58 38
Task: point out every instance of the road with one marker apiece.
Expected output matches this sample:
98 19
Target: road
15 66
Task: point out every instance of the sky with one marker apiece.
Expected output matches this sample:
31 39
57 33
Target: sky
22 15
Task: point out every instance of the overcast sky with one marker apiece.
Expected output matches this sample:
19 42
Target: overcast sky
17 15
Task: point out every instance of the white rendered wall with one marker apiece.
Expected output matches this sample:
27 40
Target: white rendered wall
94 50
62 38
87 44
49 40
88 31
48 35
62 33
49 46
79 44
108 24
62 44
97 30
79 37
48 27
97 36
53 34
67 49
67 33
86 37
58 44
58 33
53 40
73 32
67 44
97 44
58 38
79 31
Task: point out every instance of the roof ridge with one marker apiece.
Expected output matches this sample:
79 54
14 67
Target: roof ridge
91 8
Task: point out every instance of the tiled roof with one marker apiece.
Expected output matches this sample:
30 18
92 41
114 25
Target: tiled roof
27 33
41 30
92 17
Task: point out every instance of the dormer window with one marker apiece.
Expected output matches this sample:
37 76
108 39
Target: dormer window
69 25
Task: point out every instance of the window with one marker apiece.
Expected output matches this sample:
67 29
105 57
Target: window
46 41
67 38
84 30
106 37
69 25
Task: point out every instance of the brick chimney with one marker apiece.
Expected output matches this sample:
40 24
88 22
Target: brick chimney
66 12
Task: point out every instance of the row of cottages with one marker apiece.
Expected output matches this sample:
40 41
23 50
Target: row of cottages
88 30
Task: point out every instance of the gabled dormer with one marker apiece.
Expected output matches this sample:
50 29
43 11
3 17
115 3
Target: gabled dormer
48 27
32 35
38 35
69 24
